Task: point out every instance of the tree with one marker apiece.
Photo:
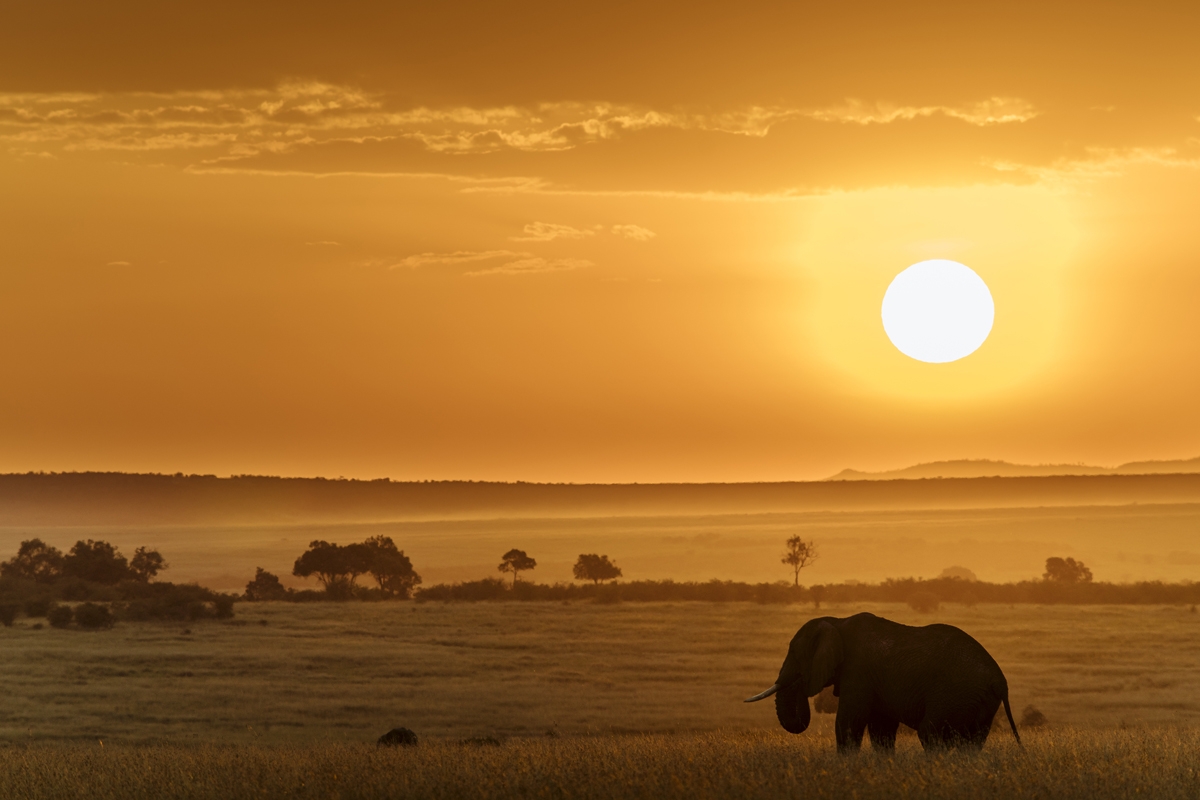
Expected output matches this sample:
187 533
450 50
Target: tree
392 570
145 564
799 554
1066 570
515 561
36 561
96 561
594 568
265 586
336 567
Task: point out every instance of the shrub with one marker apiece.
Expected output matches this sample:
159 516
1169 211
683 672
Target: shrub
1032 718
93 616
8 613
265 586
172 601
37 607
924 601
59 616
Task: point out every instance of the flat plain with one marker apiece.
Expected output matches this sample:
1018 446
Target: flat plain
287 674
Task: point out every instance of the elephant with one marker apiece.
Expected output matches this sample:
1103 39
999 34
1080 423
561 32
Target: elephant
936 679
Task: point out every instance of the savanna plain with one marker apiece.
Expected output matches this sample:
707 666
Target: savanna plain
579 700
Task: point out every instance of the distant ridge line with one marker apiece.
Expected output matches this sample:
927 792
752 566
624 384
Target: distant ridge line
101 499
987 468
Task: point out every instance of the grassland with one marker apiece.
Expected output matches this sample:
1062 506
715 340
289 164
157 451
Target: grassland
586 700
1091 764
344 673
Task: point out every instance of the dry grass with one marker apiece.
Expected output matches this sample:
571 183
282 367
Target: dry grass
345 673
1066 763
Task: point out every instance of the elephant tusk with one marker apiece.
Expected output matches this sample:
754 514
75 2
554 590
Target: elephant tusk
762 695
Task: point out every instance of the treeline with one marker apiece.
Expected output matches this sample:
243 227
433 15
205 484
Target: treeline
101 585
921 594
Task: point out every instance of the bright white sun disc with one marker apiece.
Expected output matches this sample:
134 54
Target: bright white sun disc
938 311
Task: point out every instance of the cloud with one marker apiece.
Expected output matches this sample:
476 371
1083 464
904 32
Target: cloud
241 124
118 264
548 231
993 111
534 265
457 257
635 232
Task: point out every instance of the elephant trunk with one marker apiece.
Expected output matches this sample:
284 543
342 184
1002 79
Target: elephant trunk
791 706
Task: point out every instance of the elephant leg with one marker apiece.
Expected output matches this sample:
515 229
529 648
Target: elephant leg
931 736
883 733
850 725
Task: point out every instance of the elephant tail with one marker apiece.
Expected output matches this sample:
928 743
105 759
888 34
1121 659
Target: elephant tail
1011 723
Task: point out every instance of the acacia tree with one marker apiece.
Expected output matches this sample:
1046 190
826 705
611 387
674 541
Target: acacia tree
336 567
36 561
392 570
516 561
1066 570
594 568
145 564
798 555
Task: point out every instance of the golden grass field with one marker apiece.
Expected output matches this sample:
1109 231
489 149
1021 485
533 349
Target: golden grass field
347 672
1159 763
588 700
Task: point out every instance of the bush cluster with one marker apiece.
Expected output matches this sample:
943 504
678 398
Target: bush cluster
105 587
922 595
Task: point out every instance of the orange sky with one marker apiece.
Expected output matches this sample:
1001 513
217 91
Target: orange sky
571 242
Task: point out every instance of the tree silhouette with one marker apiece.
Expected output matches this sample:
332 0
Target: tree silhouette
96 561
1066 570
36 561
265 586
145 564
799 554
594 568
515 561
392 570
336 567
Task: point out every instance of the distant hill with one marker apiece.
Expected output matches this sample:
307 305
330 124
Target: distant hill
984 468
81 499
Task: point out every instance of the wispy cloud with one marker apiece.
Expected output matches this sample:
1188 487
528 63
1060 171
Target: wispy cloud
118 264
534 265
323 244
993 111
239 124
548 231
457 257
635 232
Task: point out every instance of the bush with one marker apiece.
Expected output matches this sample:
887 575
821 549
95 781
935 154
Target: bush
8 614
924 602
59 616
93 616
1032 718
177 602
37 607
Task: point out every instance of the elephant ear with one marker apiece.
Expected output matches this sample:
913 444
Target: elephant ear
827 655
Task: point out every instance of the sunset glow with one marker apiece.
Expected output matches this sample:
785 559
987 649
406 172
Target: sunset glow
290 246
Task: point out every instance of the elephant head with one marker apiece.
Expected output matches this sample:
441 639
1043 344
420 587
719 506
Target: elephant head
813 658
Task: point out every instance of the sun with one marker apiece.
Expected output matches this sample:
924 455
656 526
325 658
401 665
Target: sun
938 311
